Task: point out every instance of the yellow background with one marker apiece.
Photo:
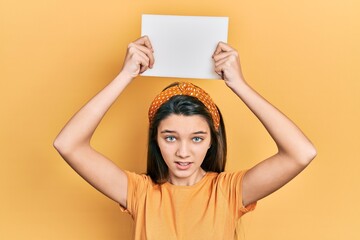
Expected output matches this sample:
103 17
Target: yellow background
303 56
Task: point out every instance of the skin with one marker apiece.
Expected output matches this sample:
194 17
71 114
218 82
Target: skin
184 139
294 153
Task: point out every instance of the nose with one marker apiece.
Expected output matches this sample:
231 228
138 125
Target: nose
183 150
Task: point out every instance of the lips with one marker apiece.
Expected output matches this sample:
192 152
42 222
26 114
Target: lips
183 165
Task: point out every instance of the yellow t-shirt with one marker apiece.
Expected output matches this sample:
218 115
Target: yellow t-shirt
207 210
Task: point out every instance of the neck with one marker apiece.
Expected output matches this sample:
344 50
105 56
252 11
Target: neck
189 181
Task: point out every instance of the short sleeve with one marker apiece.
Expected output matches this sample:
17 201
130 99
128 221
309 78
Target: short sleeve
231 186
137 184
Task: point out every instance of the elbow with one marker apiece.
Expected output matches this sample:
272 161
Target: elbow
67 147
302 156
62 146
59 145
307 155
312 153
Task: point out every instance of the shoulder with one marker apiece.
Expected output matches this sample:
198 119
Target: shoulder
229 182
231 185
225 180
134 175
231 177
138 181
137 187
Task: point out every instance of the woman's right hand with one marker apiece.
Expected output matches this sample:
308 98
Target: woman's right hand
139 57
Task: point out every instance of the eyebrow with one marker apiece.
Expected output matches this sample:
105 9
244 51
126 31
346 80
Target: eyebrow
200 132
172 131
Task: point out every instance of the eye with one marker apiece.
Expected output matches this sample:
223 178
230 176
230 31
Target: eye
197 139
170 138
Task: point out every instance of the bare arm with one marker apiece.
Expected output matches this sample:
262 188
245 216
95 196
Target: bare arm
295 151
73 142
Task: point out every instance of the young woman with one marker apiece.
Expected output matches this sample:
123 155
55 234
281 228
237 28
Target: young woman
185 193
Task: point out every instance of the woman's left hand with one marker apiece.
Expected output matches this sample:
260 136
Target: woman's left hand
227 64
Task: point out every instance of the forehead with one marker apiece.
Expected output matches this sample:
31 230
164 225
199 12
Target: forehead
184 124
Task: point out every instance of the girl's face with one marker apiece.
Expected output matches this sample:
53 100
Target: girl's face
184 142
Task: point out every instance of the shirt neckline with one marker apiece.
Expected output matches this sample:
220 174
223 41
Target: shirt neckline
202 180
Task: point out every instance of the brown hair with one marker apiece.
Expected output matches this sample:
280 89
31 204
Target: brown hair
215 158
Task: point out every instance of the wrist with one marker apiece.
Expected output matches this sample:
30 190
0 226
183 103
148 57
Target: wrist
124 77
237 84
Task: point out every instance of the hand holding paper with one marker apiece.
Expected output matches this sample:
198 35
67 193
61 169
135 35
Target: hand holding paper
139 57
227 64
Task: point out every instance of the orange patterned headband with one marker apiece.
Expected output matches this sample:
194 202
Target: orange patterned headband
188 89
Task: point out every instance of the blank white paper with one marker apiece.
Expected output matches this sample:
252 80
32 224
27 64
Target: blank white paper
184 45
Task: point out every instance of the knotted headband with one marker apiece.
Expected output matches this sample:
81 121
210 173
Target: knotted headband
188 89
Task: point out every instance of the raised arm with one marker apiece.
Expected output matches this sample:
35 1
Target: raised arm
73 142
295 151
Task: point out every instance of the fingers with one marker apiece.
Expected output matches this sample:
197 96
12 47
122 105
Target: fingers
226 58
223 55
141 53
144 44
222 47
230 63
145 50
145 41
220 67
226 61
139 57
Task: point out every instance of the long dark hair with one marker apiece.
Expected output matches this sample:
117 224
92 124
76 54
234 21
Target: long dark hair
215 158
